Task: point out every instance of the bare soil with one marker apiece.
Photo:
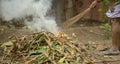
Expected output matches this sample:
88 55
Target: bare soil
91 32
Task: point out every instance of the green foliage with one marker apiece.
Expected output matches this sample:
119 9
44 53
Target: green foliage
107 29
106 2
117 2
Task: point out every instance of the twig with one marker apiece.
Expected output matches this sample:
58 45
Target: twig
32 60
50 58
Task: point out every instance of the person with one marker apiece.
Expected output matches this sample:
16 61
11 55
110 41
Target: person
114 14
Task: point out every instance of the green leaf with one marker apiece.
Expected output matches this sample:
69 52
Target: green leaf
36 52
10 43
106 2
83 62
62 60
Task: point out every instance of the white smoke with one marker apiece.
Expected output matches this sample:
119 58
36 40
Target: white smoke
19 9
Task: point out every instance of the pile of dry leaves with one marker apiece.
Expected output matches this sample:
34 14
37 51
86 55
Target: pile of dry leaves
44 48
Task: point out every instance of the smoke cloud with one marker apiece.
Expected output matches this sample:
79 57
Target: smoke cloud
20 9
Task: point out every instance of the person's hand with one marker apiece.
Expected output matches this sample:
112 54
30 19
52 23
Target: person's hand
112 9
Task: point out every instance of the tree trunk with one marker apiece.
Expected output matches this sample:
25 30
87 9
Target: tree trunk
60 11
69 9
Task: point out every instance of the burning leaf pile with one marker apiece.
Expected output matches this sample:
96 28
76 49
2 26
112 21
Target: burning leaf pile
44 48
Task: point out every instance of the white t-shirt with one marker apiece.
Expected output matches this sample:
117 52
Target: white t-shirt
114 14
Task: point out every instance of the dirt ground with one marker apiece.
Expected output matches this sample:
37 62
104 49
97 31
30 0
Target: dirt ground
86 32
91 32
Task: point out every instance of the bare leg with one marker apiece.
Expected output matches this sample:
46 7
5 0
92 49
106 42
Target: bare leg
115 37
115 34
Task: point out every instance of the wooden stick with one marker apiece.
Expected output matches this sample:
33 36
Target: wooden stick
71 21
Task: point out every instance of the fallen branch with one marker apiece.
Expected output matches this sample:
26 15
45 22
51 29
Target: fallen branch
71 21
